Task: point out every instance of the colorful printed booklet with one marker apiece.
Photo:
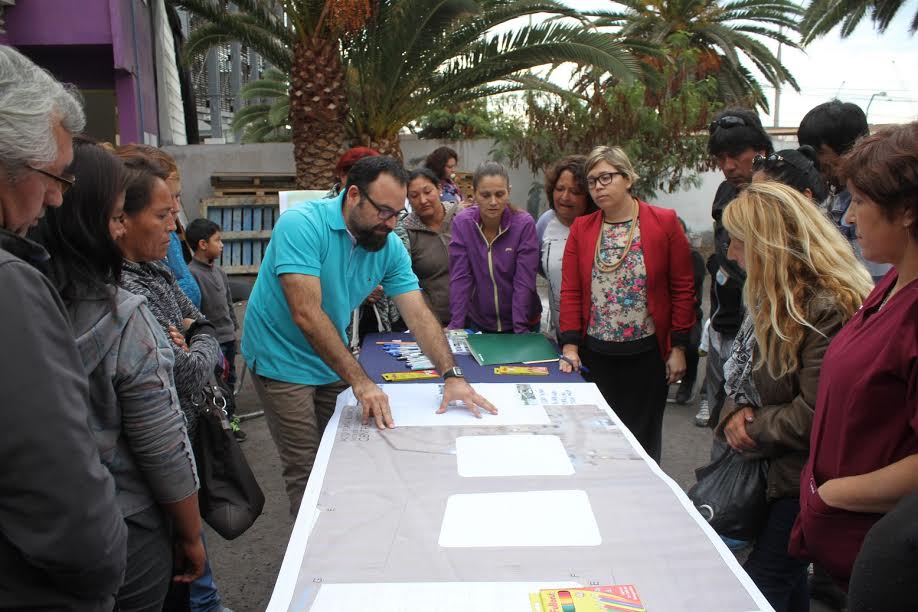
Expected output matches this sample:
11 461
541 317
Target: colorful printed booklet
615 598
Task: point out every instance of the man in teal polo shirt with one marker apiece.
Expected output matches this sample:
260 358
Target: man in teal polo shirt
324 259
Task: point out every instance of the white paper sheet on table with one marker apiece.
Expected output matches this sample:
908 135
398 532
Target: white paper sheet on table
512 455
530 518
431 596
416 406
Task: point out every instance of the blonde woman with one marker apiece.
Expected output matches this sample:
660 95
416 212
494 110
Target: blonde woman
802 284
627 297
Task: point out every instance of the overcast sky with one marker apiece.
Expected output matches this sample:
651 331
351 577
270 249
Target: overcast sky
852 69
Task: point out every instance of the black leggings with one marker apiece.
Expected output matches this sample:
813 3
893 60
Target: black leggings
635 387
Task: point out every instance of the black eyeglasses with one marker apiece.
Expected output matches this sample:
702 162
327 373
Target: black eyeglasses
760 162
384 212
726 122
64 181
603 179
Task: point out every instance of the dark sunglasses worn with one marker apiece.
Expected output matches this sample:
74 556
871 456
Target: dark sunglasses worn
384 212
64 181
726 122
762 162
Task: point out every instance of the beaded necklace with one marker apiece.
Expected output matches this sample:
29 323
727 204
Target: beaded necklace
604 267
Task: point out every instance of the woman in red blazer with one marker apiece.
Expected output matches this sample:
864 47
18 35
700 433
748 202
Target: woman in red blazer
627 298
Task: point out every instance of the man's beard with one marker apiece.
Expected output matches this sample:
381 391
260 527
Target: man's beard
368 237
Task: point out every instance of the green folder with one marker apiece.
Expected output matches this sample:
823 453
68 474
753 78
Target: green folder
497 349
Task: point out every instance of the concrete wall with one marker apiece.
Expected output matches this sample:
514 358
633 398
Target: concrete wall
471 153
198 162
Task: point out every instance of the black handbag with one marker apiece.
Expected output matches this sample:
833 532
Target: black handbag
731 494
230 498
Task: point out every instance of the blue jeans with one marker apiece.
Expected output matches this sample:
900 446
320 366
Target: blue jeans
780 577
202 593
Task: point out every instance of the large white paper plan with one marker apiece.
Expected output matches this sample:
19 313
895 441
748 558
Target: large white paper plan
512 455
416 406
529 518
548 394
431 596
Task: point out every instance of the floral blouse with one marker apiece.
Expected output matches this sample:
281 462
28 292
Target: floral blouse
450 192
618 312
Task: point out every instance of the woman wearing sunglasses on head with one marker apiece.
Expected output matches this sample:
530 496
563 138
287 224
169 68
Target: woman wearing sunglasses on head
627 297
797 168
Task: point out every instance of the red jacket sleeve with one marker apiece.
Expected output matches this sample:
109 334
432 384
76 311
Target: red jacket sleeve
571 311
681 284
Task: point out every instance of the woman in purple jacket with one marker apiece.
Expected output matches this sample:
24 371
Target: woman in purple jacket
493 259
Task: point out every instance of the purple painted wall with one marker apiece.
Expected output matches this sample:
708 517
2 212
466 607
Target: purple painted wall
94 44
58 22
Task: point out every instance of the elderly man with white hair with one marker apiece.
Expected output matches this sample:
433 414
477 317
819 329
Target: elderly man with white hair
62 537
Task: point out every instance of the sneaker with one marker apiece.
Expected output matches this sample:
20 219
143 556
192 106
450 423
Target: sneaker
683 395
237 430
704 414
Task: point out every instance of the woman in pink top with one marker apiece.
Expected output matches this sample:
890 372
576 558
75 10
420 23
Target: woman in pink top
864 441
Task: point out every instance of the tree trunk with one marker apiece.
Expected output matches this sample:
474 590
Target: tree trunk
318 111
384 145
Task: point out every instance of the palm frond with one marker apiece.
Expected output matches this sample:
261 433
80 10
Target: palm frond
248 114
280 112
824 15
209 35
263 89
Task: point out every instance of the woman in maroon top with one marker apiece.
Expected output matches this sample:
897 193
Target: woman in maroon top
864 442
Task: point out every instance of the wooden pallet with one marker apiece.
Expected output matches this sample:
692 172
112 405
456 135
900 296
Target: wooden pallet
249 183
464 180
246 222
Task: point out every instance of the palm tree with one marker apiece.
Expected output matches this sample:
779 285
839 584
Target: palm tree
303 38
723 31
393 63
823 15
413 60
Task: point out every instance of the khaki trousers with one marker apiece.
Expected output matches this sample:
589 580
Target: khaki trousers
296 416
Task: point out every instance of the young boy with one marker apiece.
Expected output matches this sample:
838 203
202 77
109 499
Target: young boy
206 242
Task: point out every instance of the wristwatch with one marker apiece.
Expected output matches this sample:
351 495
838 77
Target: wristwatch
453 372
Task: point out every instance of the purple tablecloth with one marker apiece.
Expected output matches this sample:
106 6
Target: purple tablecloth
376 362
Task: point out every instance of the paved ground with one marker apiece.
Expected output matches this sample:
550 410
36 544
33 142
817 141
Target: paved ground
245 568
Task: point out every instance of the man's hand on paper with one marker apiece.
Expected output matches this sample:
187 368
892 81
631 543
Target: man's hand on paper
456 390
374 403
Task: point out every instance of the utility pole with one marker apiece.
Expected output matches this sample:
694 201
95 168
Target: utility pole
881 94
778 87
